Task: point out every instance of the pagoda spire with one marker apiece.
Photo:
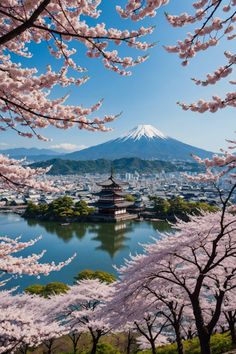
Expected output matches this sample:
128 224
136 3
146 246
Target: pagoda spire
112 172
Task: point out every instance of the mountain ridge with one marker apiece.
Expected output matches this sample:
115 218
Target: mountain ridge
31 154
123 165
145 142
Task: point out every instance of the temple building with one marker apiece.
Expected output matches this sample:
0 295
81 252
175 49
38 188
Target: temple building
111 204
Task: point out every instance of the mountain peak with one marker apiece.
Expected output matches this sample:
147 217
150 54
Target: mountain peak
143 141
144 130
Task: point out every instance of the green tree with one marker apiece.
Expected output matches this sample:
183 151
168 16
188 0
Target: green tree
180 208
106 348
82 209
130 198
61 207
95 274
161 206
53 288
35 289
31 209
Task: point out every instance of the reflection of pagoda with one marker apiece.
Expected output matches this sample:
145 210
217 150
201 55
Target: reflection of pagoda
111 203
112 238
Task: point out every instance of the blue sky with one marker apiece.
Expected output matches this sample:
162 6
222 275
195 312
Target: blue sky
147 97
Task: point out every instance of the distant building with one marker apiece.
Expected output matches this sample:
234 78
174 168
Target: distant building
111 204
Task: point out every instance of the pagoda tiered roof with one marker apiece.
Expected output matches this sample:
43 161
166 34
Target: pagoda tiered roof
111 182
105 193
109 205
112 204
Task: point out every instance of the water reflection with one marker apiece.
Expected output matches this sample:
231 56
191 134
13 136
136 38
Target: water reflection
97 245
65 232
163 227
112 237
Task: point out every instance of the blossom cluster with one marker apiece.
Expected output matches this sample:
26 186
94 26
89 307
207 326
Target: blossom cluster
9 264
220 170
137 10
25 101
13 175
28 321
212 106
215 20
220 73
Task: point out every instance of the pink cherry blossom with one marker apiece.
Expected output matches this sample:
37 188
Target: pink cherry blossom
10 264
13 175
25 103
211 22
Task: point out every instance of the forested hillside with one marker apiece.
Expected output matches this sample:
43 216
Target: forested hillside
130 165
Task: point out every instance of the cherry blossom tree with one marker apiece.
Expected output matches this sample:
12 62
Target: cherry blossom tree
130 338
25 104
199 260
144 343
139 313
220 172
211 22
26 322
150 329
15 176
229 314
157 307
81 307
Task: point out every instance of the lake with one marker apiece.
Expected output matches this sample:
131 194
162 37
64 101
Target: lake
98 245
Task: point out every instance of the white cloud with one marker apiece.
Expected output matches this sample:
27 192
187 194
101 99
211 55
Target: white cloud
68 147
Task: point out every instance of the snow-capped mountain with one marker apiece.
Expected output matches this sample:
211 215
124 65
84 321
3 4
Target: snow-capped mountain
145 142
146 131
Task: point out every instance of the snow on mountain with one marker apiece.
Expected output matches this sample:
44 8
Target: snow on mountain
145 142
142 130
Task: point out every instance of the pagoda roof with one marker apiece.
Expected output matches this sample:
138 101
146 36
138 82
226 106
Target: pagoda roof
111 181
105 193
114 205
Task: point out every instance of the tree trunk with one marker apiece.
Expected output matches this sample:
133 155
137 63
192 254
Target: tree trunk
74 348
154 351
190 334
203 333
232 332
24 349
74 337
94 347
129 341
205 344
179 339
49 345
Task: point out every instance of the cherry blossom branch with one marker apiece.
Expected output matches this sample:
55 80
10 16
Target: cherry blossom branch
27 24
15 176
211 31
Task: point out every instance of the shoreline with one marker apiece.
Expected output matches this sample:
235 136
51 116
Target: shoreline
20 209
17 209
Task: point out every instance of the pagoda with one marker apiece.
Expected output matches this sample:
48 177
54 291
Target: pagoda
111 203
